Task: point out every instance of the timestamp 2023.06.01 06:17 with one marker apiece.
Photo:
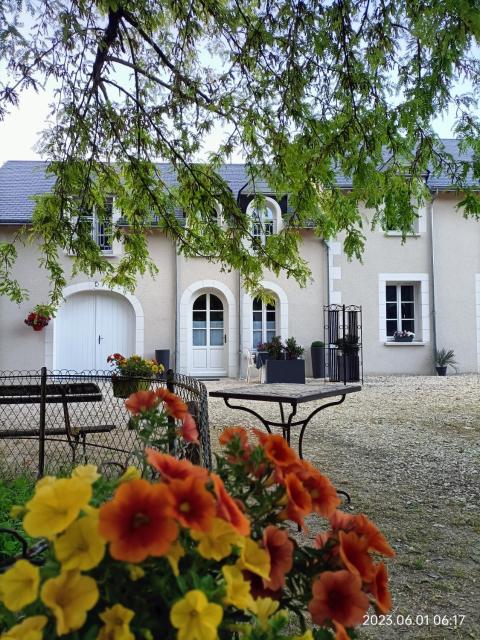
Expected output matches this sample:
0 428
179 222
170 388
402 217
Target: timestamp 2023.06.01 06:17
414 620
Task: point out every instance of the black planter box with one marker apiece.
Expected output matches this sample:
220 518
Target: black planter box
318 361
404 339
162 356
292 371
348 368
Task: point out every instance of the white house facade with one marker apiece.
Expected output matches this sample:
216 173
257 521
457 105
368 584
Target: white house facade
429 285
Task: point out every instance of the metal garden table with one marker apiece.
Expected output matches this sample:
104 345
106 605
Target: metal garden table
289 394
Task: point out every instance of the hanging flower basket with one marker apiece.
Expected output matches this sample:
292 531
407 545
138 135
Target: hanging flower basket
37 320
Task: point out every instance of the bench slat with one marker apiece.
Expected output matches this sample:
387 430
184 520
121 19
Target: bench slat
34 433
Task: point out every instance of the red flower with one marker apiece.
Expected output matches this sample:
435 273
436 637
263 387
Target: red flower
174 406
230 433
280 550
138 522
189 429
322 492
299 502
338 596
228 509
278 451
193 505
379 589
142 401
172 469
354 555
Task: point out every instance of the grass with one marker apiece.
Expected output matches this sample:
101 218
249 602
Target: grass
14 492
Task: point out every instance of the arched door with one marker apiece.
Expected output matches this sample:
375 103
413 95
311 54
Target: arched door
89 327
208 336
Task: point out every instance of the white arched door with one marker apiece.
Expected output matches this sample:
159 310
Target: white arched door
208 336
89 327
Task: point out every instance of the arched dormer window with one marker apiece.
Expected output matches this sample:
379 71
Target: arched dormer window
266 220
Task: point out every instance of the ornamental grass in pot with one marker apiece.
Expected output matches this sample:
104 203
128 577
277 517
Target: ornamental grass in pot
170 550
444 358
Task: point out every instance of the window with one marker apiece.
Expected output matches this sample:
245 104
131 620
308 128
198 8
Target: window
264 322
400 308
262 226
101 231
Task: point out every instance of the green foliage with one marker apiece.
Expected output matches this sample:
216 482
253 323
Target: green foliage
318 343
445 357
306 91
13 493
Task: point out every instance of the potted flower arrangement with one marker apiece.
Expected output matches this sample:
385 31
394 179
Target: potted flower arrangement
443 359
39 317
131 374
283 363
192 554
403 336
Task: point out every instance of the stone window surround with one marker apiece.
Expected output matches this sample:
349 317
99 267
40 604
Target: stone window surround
420 279
274 207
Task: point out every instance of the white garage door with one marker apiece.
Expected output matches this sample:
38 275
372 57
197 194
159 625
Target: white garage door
89 327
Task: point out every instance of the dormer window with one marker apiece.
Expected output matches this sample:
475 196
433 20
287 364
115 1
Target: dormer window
101 230
263 223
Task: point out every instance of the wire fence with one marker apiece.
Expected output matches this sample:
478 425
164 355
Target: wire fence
50 420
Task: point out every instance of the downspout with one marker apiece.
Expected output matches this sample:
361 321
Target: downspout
432 267
177 312
240 316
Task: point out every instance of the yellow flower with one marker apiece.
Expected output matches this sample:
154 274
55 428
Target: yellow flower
28 629
17 511
56 505
254 559
131 473
81 546
135 572
19 585
69 597
117 620
88 472
46 480
195 617
238 589
174 554
264 608
217 543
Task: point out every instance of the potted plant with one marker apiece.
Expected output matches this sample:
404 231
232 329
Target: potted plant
443 359
131 374
283 364
317 351
403 336
39 317
348 361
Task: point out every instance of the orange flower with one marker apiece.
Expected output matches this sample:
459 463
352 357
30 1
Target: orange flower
194 506
354 555
228 509
280 549
299 501
138 522
142 401
321 539
322 492
338 596
278 451
340 520
172 469
379 589
376 540
174 406
340 631
261 435
230 433
189 429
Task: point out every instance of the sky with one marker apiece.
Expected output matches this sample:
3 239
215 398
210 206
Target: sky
20 129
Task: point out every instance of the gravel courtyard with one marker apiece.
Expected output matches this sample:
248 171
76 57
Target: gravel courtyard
407 450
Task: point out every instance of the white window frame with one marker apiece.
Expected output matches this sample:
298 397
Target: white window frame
116 246
398 303
264 311
419 227
422 316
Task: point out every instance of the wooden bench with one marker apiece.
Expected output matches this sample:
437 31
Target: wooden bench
54 393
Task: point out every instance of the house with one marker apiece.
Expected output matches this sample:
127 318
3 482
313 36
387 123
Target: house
430 285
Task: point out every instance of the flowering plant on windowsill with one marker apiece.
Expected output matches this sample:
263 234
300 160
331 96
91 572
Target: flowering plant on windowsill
192 554
403 336
134 366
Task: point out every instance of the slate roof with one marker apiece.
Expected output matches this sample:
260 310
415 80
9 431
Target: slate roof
22 179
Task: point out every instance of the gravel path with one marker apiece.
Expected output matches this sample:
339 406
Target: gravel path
407 450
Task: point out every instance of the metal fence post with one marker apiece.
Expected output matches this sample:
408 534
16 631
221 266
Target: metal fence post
171 421
41 429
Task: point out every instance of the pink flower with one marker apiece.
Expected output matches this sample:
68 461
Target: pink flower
189 429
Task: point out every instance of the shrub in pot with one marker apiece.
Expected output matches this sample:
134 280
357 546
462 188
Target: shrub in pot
283 364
